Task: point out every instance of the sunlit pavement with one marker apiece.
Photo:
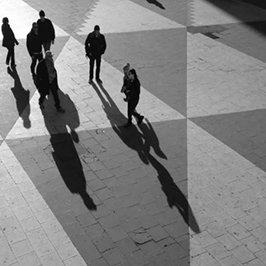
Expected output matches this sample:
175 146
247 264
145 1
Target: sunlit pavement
186 187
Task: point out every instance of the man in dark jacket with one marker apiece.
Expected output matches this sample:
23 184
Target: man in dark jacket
9 41
47 81
95 46
34 46
46 31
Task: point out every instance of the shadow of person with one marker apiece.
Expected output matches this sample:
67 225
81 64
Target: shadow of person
131 136
22 97
151 138
174 195
64 151
155 2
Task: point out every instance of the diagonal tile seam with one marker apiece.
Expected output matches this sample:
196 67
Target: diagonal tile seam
16 184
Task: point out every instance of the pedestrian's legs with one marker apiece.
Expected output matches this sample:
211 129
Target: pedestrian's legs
8 56
98 67
46 45
12 55
54 90
92 59
33 64
41 99
132 103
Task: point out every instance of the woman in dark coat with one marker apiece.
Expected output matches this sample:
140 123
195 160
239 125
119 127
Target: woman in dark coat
133 98
9 42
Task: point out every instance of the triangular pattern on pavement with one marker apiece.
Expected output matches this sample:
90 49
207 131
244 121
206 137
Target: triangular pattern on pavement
111 17
243 132
214 12
27 15
98 102
228 84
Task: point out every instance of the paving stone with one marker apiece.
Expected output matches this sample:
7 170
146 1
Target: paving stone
230 261
113 256
21 248
205 239
51 259
238 231
157 233
126 246
243 254
43 248
104 242
260 234
218 251
117 233
137 258
151 249
14 236
253 244
30 259
228 241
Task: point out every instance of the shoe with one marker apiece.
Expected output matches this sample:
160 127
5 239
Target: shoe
41 105
60 110
140 119
13 66
99 80
90 81
128 124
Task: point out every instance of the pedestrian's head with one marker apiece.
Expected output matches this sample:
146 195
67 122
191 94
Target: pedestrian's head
35 27
97 30
126 68
42 15
132 74
5 20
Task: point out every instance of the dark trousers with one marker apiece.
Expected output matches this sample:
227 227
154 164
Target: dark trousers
98 66
34 59
53 87
46 45
132 104
10 55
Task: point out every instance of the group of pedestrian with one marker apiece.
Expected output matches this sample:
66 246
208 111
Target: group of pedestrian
40 38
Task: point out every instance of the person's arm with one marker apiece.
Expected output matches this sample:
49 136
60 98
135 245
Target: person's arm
29 46
52 32
87 46
103 45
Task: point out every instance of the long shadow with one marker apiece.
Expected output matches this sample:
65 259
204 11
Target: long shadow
131 137
232 8
64 151
142 142
22 97
155 2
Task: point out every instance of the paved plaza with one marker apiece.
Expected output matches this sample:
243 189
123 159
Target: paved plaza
186 187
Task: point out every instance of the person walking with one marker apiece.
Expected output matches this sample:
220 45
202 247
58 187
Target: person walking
46 31
9 41
34 46
133 98
95 46
47 81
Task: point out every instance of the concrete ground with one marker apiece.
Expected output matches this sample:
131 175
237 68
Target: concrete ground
186 187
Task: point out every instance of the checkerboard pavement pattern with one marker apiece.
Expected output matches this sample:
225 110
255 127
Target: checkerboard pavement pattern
186 187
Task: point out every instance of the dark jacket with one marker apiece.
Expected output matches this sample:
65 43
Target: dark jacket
34 44
133 89
9 39
95 46
42 81
46 30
